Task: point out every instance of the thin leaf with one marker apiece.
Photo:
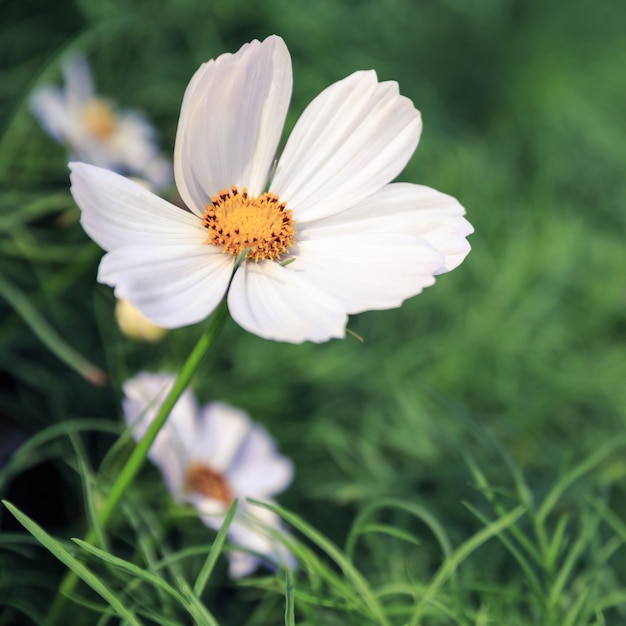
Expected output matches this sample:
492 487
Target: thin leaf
74 564
410 507
523 496
600 455
25 456
587 532
216 549
558 544
460 554
49 337
359 582
131 568
290 609
531 576
181 555
88 482
197 610
392 531
33 210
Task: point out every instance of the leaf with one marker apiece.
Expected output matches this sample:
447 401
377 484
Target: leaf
131 568
49 337
216 548
85 574
290 609
355 577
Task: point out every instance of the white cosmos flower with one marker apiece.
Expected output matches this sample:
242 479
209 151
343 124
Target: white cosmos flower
94 131
330 237
209 456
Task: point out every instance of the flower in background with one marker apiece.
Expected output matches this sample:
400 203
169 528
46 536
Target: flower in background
94 131
209 456
135 325
330 237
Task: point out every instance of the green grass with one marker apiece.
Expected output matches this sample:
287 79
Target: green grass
465 465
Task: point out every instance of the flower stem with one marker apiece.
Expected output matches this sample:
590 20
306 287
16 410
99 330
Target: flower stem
139 454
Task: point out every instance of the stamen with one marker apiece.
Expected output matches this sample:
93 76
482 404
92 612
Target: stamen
208 482
99 118
236 221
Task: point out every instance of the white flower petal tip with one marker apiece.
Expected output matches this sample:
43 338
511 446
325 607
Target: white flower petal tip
331 236
147 237
95 131
208 457
355 137
275 303
231 121
272 554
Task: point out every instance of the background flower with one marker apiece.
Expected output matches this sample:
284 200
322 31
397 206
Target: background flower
135 325
95 131
209 456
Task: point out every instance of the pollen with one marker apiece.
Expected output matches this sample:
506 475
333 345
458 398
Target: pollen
208 482
99 118
237 221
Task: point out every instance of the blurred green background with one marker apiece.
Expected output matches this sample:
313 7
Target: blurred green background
514 362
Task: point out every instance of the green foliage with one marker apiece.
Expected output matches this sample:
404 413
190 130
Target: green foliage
465 465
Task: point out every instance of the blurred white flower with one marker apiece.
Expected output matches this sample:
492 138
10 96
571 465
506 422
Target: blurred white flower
208 457
134 324
331 237
96 132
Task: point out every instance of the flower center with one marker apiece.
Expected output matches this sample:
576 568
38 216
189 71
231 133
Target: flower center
236 221
99 118
208 482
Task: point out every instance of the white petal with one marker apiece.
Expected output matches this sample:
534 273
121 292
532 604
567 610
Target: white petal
258 471
78 82
212 511
133 143
116 212
143 396
223 429
268 300
231 121
368 271
49 108
241 564
159 172
173 466
355 137
251 530
404 208
172 285
158 260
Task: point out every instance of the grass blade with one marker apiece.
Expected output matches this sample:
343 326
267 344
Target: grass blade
410 507
355 577
290 609
131 568
460 554
216 549
600 455
202 616
49 337
89 486
75 565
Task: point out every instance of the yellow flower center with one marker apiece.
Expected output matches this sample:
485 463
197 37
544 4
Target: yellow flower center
208 482
236 221
99 118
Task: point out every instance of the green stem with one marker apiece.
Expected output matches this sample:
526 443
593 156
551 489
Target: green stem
139 454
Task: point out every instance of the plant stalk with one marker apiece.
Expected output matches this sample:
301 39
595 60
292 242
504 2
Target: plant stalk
139 454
